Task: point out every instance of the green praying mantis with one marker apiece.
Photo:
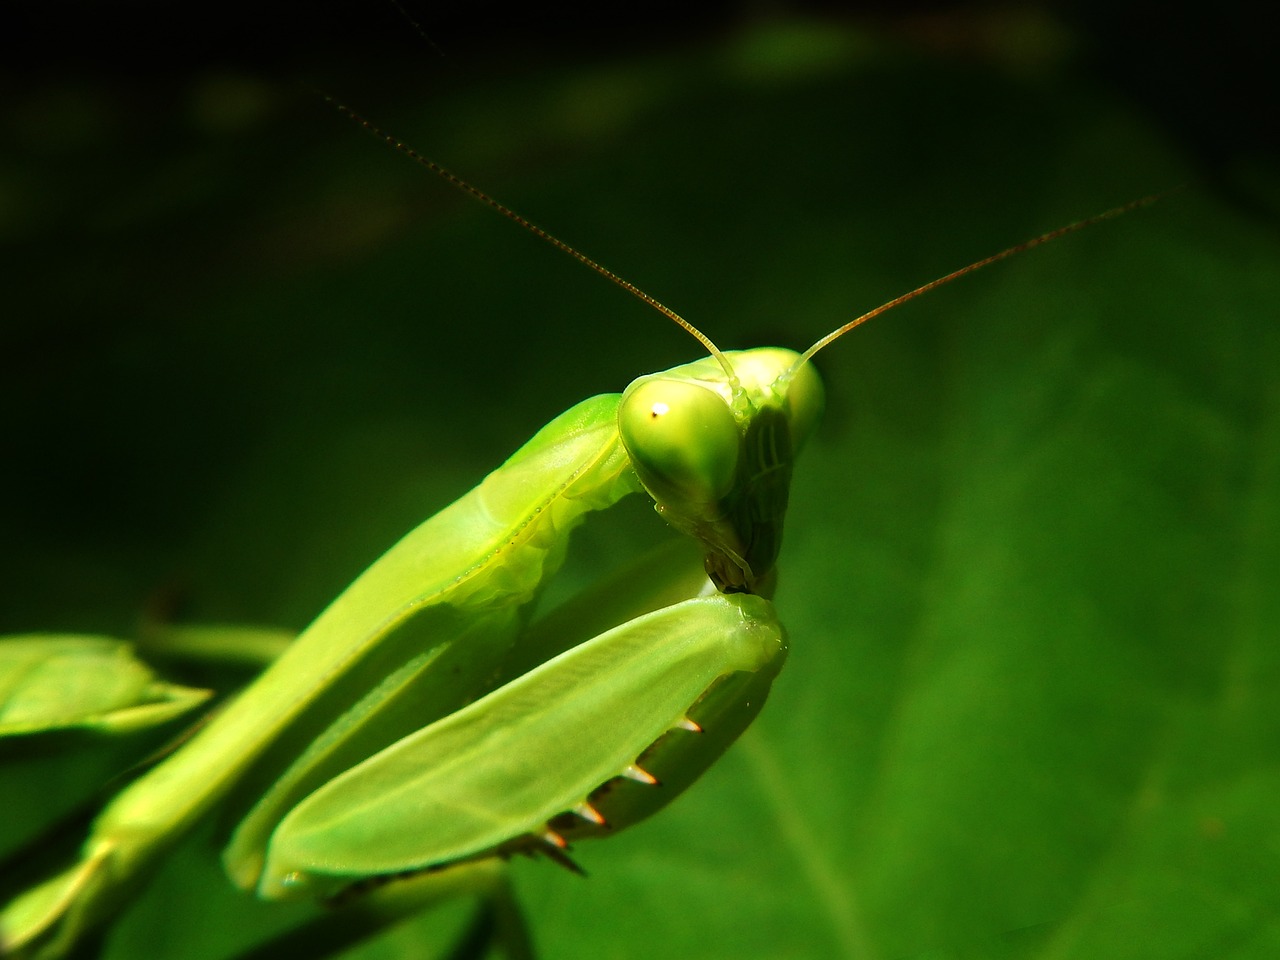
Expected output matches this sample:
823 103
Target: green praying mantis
424 727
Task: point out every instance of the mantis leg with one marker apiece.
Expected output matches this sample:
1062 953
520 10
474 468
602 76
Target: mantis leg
515 768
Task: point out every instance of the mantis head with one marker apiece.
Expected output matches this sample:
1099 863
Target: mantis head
713 445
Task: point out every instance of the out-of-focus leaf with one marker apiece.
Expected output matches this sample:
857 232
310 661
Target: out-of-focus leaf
58 682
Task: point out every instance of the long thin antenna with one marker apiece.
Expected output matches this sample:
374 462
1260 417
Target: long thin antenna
978 265
537 231
417 28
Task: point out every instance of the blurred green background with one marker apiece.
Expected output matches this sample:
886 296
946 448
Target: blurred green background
1031 565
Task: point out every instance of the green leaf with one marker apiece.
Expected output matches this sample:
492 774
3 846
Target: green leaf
59 682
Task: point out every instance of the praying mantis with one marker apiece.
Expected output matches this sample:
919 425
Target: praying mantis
423 729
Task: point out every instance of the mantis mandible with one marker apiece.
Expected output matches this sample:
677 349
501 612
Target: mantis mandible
423 727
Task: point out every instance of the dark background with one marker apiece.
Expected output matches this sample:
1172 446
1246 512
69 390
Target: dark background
1030 560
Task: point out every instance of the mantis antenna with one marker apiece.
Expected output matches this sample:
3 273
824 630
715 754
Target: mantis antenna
1043 238
537 231
662 308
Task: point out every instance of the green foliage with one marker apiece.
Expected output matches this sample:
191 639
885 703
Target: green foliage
1030 561
54 682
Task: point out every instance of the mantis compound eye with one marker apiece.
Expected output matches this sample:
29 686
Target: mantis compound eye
682 439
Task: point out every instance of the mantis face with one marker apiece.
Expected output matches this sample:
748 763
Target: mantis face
713 445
